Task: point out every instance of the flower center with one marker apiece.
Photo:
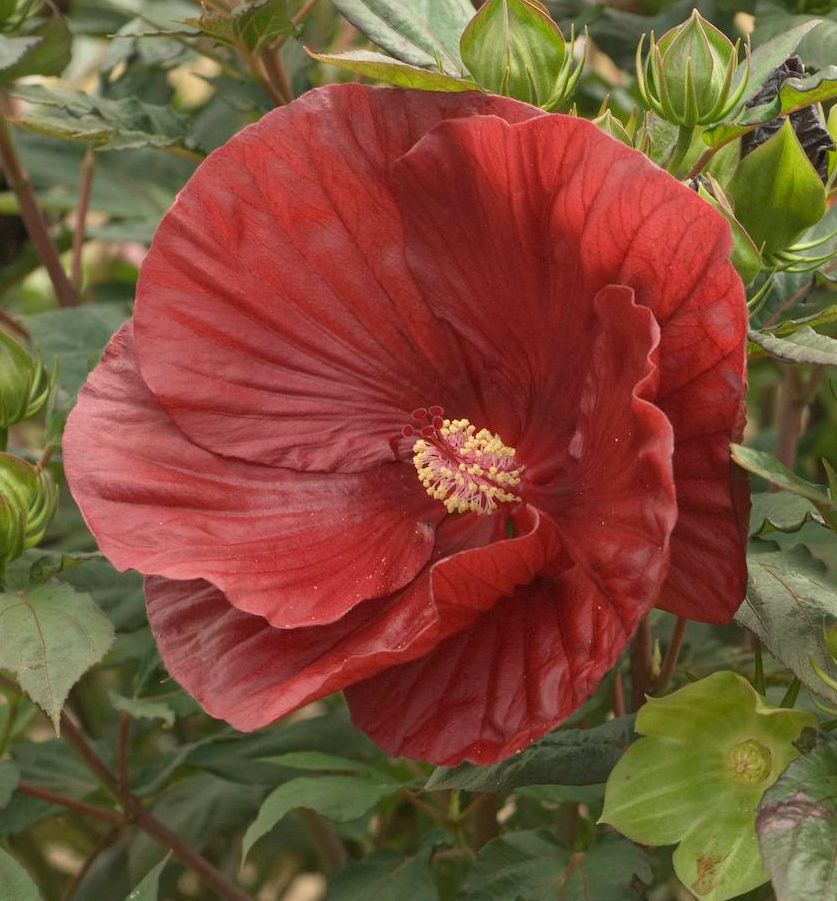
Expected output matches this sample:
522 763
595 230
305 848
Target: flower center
750 761
469 471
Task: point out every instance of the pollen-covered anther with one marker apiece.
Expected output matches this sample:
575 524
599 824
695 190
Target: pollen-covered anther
469 471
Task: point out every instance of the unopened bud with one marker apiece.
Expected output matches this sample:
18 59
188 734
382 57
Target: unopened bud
687 76
28 499
512 47
24 383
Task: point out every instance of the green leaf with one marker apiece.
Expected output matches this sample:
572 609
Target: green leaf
794 94
769 468
256 25
50 636
197 810
512 47
797 826
9 778
71 343
385 876
320 762
421 33
712 749
789 597
384 68
779 511
530 866
106 124
143 709
149 888
802 346
339 798
15 882
776 192
769 56
43 50
565 757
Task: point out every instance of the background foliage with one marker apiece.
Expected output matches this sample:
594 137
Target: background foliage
112 780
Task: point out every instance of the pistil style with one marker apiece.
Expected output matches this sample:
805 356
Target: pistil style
469 471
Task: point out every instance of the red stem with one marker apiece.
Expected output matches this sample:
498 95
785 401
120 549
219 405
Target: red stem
640 663
84 187
672 653
98 813
33 219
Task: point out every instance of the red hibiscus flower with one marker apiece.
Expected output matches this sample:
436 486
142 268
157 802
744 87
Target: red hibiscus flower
426 397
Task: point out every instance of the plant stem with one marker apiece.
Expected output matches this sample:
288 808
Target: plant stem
795 394
99 813
672 653
681 148
85 184
640 663
13 326
481 815
187 855
91 858
758 682
276 75
327 842
618 694
33 219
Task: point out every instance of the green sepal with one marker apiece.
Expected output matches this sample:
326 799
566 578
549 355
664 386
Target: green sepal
777 193
610 125
24 383
710 752
512 47
744 255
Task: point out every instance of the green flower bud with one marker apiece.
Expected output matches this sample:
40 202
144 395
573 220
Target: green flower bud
687 76
609 124
513 47
28 499
24 383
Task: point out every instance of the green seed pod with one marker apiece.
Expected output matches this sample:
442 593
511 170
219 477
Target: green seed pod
512 47
24 383
28 499
687 76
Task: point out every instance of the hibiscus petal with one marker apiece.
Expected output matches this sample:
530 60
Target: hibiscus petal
276 319
545 214
532 658
243 670
297 549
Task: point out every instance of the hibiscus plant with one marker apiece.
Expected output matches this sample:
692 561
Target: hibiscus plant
418 450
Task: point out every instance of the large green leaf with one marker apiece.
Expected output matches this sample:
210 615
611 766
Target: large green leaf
50 636
710 752
802 346
256 25
197 810
9 778
386 69
339 798
566 757
385 876
106 124
768 467
149 888
421 32
530 866
790 595
43 49
797 826
15 882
